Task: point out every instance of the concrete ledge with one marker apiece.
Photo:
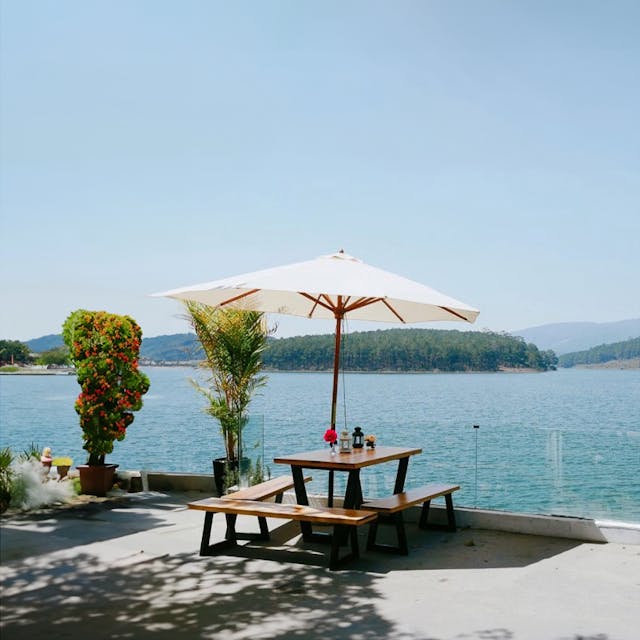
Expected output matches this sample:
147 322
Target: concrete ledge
129 480
620 532
554 526
539 525
168 481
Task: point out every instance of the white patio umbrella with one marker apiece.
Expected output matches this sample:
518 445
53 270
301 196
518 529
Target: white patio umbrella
333 286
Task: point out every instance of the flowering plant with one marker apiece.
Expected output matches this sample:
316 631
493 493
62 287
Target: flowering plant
331 436
370 439
104 348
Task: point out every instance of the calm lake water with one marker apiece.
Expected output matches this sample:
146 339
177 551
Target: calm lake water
565 442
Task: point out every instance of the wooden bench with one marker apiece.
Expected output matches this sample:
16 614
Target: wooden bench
265 490
275 487
390 510
344 521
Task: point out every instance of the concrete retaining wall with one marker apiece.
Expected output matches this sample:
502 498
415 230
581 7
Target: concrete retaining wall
541 525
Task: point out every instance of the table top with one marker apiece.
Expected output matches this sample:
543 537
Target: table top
358 458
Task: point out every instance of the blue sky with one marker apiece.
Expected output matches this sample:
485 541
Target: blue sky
488 149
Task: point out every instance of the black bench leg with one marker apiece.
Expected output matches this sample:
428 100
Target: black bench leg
206 533
403 547
232 533
396 519
451 516
264 529
424 515
231 525
207 549
373 534
355 550
343 534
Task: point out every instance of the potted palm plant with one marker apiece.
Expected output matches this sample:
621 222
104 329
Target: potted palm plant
232 341
104 348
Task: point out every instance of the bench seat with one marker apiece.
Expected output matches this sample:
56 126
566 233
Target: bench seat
265 490
344 522
275 487
390 509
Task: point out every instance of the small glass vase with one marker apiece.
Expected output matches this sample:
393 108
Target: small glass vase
332 447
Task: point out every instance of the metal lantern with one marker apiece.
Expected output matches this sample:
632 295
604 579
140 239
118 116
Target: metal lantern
358 438
345 442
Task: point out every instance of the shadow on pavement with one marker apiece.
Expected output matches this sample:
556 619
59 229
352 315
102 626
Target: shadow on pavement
49 530
280 590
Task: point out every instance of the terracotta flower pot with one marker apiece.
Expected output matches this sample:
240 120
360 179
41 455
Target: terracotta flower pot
96 480
63 469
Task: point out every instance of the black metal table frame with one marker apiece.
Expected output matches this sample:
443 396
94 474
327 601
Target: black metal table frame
353 498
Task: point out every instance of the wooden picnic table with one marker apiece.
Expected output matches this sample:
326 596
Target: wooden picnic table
350 463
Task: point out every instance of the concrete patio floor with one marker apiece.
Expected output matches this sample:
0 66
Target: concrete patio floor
128 567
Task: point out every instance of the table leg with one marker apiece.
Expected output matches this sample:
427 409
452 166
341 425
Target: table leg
401 476
353 494
330 489
301 498
299 485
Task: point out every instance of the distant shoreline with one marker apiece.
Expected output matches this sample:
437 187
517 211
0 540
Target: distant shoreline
633 363
618 365
27 371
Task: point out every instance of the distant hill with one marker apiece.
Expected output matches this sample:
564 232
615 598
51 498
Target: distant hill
567 337
45 343
170 348
626 350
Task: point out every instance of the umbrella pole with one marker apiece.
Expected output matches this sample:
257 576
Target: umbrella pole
334 397
336 372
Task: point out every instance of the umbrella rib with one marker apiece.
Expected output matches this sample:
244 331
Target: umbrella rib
316 301
361 302
346 308
395 313
328 301
239 297
451 311
325 301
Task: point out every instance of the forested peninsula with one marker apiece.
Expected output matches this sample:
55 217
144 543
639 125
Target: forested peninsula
625 350
412 350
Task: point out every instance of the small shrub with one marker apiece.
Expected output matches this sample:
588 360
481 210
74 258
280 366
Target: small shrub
31 452
30 490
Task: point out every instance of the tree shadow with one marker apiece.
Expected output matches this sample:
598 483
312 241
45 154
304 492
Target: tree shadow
185 596
281 589
49 530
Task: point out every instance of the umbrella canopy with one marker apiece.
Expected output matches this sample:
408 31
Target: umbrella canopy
332 286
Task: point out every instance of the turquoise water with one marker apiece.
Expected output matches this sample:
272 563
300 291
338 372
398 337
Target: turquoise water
565 442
